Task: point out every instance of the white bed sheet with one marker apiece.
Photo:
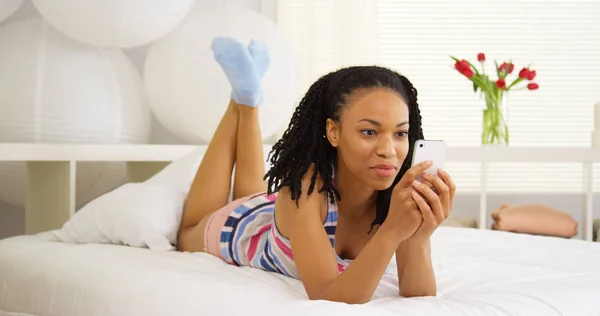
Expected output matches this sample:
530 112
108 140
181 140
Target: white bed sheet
479 272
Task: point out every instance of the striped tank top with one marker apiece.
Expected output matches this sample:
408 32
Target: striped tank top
251 238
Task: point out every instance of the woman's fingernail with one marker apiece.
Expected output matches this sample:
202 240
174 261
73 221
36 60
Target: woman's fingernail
416 183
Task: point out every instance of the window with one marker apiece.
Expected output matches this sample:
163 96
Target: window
560 38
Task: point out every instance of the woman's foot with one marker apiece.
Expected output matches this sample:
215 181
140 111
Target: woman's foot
240 66
260 55
262 60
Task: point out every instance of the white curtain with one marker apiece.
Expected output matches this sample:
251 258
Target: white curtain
560 38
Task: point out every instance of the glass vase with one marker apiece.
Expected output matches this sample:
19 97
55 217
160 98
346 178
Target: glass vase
495 126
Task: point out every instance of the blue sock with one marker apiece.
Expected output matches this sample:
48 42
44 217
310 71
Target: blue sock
238 65
260 55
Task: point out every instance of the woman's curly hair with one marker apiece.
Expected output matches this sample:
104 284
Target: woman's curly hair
304 142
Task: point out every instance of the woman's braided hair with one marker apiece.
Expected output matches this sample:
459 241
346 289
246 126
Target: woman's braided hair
304 142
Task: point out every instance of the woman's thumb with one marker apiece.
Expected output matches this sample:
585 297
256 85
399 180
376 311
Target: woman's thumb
412 173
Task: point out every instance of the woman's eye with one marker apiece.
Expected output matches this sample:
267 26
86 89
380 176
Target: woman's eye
368 132
402 134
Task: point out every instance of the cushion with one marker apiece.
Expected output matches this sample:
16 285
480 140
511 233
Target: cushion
537 219
144 214
134 214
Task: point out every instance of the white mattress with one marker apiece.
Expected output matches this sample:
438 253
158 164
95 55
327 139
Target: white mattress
478 273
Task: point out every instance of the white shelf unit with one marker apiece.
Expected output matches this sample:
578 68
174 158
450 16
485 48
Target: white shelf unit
51 172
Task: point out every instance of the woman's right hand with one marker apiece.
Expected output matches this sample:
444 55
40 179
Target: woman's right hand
404 215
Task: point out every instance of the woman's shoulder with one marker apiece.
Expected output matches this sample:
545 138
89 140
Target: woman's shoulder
287 211
306 193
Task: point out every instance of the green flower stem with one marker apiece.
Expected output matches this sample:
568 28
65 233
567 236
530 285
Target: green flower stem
495 130
514 83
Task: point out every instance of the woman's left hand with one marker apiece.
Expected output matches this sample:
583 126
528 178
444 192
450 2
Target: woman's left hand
435 207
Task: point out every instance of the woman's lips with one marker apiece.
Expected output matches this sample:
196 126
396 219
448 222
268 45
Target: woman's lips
384 170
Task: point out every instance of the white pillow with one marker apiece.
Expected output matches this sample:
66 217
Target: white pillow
144 214
134 214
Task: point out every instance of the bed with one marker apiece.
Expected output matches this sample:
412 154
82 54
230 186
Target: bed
116 255
479 272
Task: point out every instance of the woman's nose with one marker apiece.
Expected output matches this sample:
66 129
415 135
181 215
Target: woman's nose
385 147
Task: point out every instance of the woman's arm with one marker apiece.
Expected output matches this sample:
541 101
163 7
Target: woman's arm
315 259
415 271
401 255
317 266
418 277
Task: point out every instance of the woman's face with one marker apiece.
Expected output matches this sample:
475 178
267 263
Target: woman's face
372 136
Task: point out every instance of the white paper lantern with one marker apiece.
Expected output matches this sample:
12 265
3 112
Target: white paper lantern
56 90
8 8
189 92
114 23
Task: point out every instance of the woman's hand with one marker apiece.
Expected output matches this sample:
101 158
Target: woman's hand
404 216
434 207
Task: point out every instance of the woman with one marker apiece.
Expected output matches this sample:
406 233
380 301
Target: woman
341 199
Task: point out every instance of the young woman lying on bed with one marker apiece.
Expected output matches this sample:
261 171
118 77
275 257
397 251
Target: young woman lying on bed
342 198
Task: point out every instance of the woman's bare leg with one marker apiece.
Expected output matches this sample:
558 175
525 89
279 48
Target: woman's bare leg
250 159
212 183
237 140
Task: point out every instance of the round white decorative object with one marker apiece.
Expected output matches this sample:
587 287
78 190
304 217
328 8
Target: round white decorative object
56 90
189 92
114 23
8 8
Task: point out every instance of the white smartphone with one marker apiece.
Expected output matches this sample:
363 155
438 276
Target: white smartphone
434 150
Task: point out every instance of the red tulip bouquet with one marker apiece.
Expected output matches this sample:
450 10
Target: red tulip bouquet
495 129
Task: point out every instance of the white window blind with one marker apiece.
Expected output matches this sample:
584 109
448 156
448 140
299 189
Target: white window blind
559 38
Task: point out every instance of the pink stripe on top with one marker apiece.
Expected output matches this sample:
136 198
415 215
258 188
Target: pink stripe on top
287 250
255 240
